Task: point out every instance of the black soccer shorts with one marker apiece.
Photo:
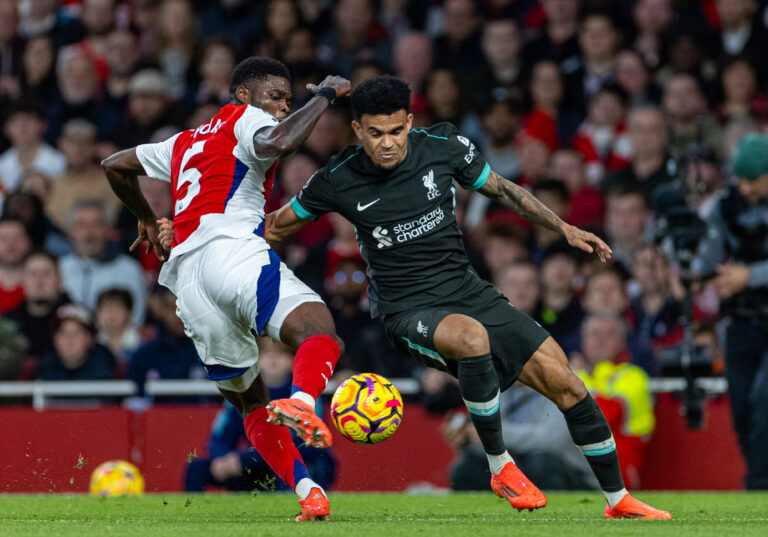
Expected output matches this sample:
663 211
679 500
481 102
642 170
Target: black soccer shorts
513 335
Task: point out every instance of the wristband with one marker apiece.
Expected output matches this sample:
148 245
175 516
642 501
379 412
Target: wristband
328 93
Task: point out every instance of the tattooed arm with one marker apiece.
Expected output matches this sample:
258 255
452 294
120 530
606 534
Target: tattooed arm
521 202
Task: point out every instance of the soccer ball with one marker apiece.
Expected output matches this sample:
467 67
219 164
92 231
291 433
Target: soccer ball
115 478
367 408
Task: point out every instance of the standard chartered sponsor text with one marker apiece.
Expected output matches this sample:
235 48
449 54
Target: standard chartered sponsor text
416 228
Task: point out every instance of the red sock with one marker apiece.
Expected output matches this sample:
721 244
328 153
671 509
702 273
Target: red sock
313 364
275 445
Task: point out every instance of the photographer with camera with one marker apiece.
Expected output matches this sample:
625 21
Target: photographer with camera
736 250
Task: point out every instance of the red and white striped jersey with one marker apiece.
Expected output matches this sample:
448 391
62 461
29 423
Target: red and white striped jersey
219 184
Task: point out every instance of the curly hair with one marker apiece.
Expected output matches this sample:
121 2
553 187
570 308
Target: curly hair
256 68
381 95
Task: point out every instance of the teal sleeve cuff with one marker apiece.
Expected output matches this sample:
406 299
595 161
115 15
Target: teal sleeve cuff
301 211
482 178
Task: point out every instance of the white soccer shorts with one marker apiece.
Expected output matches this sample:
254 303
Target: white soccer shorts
226 291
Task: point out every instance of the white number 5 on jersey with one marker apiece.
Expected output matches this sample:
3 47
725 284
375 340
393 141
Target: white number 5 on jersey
188 175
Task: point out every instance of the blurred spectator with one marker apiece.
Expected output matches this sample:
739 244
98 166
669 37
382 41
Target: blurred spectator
704 176
633 75
742 31
218 59
231 463
367 347
44 295
534 154
43 234
688 52
656 309
558 40
13 345
519 282
626 222
330 134
554 195
122 56
95 266
503 76
560 311
690 123
458 47
114 309
598 42
620 389
499 125
650 165
98 18
11 47
444 97
601 138
38 79
82 177
282 17
75 354
170 355
652 19
43 17
355 35
236 18
24 127
549 120
736 250
503 244
412 58
586 206
741 99
148 108
15 246
173 45
78 89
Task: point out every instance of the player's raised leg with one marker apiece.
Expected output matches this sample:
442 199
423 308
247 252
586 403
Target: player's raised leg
302 321
462 338
549 373
250 397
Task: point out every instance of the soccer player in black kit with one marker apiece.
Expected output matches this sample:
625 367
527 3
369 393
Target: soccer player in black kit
397 189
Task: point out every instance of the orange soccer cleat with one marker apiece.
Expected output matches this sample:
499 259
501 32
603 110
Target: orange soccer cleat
300 417
512 485
314 507
630 507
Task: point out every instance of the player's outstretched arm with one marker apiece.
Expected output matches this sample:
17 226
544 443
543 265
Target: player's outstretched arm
289 134
521 202
122 170
281 223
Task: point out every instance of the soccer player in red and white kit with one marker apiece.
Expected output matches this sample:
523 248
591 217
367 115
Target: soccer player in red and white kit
228 282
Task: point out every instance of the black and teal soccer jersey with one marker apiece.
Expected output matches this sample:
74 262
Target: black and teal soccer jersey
404 216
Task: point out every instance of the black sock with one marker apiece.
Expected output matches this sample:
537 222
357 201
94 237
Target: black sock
479 387
592 435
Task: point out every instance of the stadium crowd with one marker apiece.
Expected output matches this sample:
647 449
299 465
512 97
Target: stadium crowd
591 104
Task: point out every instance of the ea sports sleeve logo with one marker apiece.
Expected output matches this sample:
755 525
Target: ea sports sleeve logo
429 184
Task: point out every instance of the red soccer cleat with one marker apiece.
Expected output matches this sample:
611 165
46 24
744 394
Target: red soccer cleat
512 485
314 507
630 507
300 417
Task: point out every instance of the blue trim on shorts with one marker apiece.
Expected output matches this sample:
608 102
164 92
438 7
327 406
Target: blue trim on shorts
223 372
267 291
259 231
237 177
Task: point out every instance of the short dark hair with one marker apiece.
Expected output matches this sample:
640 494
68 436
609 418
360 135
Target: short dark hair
383 95
117 295
28 106
256 68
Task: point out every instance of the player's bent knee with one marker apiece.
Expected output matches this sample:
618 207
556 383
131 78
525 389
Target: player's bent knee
458 336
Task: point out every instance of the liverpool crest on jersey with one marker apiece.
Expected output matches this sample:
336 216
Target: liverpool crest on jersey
429 184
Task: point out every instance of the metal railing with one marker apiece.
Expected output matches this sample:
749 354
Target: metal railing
41 390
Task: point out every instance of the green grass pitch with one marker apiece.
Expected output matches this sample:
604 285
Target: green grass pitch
391 515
